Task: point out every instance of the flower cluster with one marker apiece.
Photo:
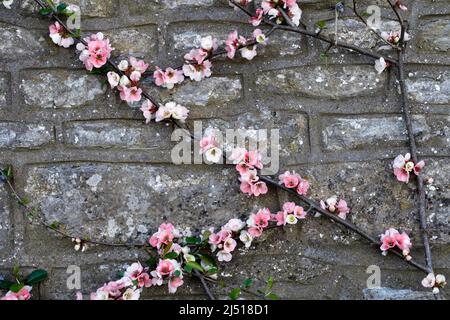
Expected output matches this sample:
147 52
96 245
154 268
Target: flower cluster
223 240
168 78
334 206
272 9
392 238
197 66
294 181
290 214
60 36
79 244
210 147
23 294
168 270
129 287
247 47
435 282
247 164
393 37
96 52
127 84
403 166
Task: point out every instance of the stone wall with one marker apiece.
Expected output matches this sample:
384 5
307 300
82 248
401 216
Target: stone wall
90 162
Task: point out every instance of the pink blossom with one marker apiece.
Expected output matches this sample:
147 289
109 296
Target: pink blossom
342 209
208 43
289 207
392 238
138 65
259 36
234 225
22 294
248 52
403 166
303 186
290 180
171 110
229 245
299 212
59 35
259 188
113 79
255 232
165 267
196 56
199 71
234 42
380 65
280 218
169 78
334 206
262 218
215 238
174 284
97 51
401 5
148 110
238 155
256 20
223 255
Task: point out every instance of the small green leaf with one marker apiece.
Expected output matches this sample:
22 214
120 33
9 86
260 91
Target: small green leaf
208 260
192 240
61 7
36 276
188 268
212 271
151 262
167 248
177 273
322 24
16 287
54 225
45 11
269 284
235 293
247 283
272 296
195 265
171 255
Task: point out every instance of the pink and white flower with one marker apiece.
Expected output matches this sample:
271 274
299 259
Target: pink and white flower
23 294
404 166
59 35
169 78
380 65
334 206
148 110
392 238
97 51
256 20
197 71
171 110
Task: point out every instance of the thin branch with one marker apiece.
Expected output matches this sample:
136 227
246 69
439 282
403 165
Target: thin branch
318 36
358 15
204 284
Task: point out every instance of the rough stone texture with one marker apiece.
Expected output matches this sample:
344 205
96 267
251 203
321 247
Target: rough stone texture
22 135
4 89
429 87
396 294
20 43
333 82
93 165
59 88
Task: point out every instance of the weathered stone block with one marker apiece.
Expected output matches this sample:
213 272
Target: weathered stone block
140 42
138 7
396 294
430 87
88 8
4 89
362 132
56 88
20 135
202 97
19 43
333 82
187 36
124 201
434 35
116 133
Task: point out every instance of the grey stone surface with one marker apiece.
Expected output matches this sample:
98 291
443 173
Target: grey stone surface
396 294
4 89
20 43
434 35
333 82
59 88
23 135
5 224
429 87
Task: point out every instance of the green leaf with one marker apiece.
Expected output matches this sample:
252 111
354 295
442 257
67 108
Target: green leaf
36 276
167 248
235 293
151 262
16 287
272 296
195 265
171 255
61 7
212 271
5 284
177 273
188 268
269 284
45 11
192 240
54 225
208 260
322 24
247 283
